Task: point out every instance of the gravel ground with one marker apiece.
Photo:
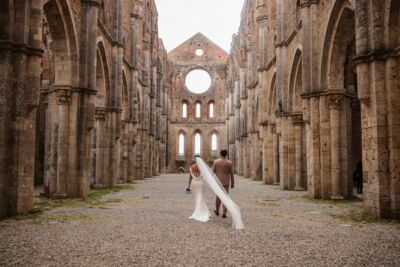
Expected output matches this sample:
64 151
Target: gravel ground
150 227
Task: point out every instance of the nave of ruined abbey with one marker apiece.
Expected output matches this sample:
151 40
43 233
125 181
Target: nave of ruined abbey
91 98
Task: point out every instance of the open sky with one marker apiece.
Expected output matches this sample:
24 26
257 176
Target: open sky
181 19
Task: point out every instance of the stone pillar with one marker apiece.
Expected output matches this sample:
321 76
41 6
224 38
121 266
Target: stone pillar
132 144
123 153
82 107
267 166
291 150
284 171
20 59
100 146
334 105
315 164
298 124
63 101
275 155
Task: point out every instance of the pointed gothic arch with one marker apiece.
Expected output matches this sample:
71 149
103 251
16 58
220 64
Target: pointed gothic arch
295 83
102 77
339 31
63 44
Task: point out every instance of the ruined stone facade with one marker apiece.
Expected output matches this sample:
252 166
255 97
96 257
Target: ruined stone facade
313 90
83 97
89 98
211 104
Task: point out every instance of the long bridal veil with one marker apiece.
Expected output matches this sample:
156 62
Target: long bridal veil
220 191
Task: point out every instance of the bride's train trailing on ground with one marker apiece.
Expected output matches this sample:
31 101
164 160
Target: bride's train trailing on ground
219 190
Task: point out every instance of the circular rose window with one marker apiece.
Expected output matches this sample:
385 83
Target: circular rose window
199 52
198 81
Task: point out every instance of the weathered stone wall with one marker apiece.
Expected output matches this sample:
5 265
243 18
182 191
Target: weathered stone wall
100 71
321 76
183 60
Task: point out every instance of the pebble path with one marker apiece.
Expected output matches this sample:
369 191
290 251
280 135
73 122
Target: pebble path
150 227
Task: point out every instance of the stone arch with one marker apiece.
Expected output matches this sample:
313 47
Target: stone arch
211 108
295 84
214 134
392 24
198 109
102 77
125 97
63 44
184 109
6 19
195 139
272 100
340 30
179 143
339 79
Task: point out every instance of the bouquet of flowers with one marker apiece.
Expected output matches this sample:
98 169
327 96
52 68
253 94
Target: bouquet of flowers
188 191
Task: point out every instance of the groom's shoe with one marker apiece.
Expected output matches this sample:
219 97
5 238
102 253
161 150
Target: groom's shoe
223 215
216 212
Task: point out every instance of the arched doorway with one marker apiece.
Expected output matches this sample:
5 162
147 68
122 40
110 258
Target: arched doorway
100 140
54 148
299 142
339 77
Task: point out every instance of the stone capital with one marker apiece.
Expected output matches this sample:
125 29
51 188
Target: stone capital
63 96
146 44
242 64
100 114
263 123
261 19
272 128
334 101
297 119
136 16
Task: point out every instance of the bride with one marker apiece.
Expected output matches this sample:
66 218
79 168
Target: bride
201 212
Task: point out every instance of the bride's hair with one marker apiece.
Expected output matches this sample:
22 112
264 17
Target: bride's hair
195 169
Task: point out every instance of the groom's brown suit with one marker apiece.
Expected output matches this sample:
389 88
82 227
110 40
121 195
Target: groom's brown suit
223 169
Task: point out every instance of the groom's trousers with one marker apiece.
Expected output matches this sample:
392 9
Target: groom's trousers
218 201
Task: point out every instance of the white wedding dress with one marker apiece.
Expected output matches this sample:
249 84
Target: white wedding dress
201 212
220 191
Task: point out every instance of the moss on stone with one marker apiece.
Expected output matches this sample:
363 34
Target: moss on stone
359 217
332 202
95 199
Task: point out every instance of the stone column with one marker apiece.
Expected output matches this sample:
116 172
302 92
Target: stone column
63 101
124 153
334 105
298 124
20 59
284 155
275 154
83 103
100 146
291 150
132 143
266 136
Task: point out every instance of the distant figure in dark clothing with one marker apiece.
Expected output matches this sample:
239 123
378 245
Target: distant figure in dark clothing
358 178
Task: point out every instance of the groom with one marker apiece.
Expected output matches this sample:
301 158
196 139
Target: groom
223 169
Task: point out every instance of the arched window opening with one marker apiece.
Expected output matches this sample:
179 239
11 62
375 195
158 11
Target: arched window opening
184 110
214 143
197 144
211 110
198 110
181 145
